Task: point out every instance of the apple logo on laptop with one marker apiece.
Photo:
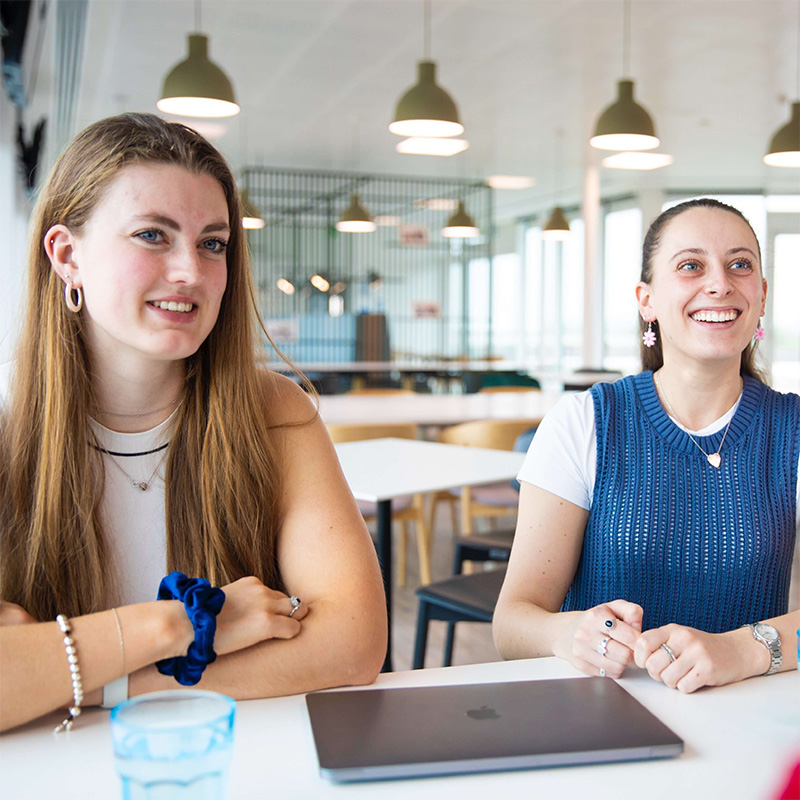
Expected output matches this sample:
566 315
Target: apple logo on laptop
484 712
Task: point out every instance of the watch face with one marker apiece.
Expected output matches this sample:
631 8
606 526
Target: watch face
767 632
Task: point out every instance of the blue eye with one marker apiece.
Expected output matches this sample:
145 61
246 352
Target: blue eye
152 236
215 245
742 265
689 266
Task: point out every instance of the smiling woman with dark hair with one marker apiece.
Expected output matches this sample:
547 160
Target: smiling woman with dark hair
140 438
659 514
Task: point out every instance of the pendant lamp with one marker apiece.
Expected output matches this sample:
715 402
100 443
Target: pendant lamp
197 87
460 225
557 227
625 125
784 147
251 217
426 109
355 218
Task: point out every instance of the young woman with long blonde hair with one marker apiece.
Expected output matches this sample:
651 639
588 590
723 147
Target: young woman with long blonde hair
139 437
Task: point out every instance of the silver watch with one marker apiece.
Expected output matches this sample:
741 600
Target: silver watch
770 638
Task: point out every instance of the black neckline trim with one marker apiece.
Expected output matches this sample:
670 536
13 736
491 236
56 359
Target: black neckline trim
131 455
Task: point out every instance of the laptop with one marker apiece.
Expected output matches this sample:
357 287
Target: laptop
422 731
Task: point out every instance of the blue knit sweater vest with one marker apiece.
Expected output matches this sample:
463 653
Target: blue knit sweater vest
704 547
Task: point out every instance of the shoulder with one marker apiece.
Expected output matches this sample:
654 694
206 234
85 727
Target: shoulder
286 403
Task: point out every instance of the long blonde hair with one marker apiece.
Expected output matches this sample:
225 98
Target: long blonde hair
222 482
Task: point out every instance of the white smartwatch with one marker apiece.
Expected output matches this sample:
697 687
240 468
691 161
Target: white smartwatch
770 638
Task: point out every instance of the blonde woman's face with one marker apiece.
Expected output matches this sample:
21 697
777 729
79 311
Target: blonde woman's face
707 291
151 263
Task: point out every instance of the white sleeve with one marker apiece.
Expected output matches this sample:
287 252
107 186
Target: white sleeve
562 458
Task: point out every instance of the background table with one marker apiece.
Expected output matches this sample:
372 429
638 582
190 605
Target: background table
378 470
435 409
740 740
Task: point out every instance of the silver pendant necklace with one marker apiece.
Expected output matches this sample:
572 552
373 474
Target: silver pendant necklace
142 486
715 459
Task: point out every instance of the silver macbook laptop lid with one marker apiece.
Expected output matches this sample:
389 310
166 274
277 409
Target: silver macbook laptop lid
438 730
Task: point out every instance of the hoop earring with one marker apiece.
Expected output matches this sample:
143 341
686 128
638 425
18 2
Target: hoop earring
73 305
649 338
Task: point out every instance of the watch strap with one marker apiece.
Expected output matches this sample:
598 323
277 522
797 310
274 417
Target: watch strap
774 647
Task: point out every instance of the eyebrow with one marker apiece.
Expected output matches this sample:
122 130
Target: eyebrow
698 251
160 219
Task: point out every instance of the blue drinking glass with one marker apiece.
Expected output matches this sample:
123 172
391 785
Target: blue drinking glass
174 745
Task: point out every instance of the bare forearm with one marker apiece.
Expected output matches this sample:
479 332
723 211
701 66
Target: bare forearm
34 673
522 629
331 650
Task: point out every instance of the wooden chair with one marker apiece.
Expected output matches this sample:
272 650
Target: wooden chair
496 500
504 389
404 510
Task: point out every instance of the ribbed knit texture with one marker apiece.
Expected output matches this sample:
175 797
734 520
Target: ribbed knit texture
704 547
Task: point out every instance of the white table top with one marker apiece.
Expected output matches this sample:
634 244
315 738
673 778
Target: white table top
740 741
435 409
381 469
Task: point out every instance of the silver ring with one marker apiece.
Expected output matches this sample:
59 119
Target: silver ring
602 648
610 624
668 650
602 673
295 601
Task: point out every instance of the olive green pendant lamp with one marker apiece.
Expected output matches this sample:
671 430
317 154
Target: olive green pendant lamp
460 225
557 227
784 147
625 125
197 87
426 109
355 218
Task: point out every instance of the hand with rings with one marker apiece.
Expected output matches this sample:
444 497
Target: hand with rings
603 638
685 658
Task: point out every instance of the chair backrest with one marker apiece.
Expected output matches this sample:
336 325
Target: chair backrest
496 434
495 389
378 391
358 433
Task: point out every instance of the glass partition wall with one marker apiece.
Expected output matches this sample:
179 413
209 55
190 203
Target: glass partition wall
401 292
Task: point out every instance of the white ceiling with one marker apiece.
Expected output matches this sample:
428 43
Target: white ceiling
318 81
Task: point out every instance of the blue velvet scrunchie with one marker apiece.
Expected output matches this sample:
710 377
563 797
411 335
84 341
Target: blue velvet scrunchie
202 602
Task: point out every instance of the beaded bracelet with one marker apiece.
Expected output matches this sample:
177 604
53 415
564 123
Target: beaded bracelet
202 602
75 674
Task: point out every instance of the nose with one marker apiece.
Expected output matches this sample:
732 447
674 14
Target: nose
718 282
184 266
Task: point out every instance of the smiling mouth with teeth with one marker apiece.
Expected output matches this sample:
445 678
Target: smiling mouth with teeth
171 305
715 316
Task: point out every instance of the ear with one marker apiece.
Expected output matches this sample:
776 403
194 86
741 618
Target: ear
644 298
763 296
59 244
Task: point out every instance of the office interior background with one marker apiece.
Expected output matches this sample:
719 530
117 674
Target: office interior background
318 82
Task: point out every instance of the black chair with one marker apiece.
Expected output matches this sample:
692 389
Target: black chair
463 598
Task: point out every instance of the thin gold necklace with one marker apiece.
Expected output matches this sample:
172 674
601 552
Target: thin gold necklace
715 459
142 486
143 414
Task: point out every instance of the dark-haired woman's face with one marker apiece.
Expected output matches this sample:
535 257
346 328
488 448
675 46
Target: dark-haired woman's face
707 290
152 263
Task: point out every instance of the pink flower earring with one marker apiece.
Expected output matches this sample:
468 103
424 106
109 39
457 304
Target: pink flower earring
758 336
649 337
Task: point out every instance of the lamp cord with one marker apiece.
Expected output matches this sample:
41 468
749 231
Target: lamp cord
426 29
626 38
